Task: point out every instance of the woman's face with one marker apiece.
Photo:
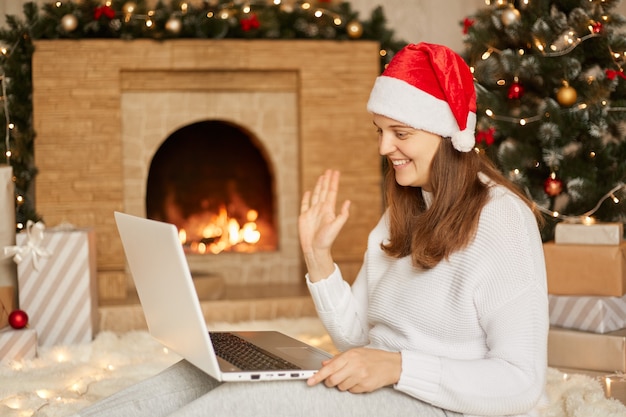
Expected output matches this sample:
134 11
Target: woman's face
409 151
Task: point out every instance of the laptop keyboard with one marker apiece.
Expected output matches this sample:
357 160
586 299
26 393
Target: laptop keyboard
245 355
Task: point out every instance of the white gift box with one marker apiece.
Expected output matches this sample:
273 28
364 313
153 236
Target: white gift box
58 290
588 313
592 234
17 344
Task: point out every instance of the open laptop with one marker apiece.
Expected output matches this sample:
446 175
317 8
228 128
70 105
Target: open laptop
170 303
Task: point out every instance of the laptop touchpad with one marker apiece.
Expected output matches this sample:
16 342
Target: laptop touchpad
304 353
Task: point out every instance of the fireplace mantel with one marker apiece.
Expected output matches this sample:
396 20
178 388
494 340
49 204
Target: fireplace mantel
77 93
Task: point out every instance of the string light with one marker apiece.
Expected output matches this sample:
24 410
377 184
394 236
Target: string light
72 388
587 217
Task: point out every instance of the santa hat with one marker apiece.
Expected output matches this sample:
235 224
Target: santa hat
429 87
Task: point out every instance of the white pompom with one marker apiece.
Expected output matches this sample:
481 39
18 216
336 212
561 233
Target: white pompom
463 141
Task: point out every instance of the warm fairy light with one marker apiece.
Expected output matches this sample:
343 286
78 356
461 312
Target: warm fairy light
306 6
588 220
592 154
555 214
486 54
318 13
489 113
149 23
501 82
615 199
337 21
110 367
522 122
382 52
8 154
183 7
521 52
58 4
44 393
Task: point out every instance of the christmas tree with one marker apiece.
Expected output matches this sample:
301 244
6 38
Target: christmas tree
551 96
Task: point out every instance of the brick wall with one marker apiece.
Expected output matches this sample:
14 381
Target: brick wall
83 145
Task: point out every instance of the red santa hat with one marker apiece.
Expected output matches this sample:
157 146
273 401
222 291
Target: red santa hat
429 87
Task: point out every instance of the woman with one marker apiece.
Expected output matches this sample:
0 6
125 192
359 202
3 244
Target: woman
450 306
449 313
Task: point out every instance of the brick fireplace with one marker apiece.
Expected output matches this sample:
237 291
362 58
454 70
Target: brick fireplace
102 109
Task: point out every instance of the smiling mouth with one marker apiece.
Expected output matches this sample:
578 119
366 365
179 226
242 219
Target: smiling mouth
400 162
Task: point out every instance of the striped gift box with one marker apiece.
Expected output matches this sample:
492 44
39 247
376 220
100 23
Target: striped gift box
588 313
17 344
58 292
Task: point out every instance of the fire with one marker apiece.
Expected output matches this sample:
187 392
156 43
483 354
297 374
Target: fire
221 232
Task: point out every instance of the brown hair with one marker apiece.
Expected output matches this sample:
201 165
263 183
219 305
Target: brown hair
450 223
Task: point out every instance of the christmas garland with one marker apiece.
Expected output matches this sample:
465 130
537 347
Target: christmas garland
122 19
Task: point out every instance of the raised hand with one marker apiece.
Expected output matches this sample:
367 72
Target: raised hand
319 225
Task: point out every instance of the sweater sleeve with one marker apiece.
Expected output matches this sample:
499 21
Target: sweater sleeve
510 298
342 309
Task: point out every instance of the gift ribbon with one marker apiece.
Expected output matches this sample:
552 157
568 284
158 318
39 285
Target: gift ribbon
35 235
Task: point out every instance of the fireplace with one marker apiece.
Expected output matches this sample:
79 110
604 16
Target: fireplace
105 111
214 182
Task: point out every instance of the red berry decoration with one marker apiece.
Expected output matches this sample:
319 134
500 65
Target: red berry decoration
18 319
516 91
553 186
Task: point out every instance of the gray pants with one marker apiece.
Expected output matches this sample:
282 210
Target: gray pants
184 391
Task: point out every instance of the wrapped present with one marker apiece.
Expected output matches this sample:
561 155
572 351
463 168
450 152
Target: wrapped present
591 314
17 344
57 286
7 304
586 269
589 234
575 349
614 386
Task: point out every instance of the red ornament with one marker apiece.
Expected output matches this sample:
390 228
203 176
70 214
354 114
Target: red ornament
516 91
486 136
18 319
467 24
250 23
612 74
596 27
553 186
103 11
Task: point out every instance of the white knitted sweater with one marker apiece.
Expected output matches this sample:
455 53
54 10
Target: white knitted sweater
472 330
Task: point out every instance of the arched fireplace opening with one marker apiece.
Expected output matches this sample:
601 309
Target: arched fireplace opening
212 179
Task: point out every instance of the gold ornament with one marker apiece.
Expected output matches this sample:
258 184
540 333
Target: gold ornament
510 16
354 29
69 22
174 25
566 95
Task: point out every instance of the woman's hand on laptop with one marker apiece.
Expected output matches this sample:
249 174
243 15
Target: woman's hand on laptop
359 370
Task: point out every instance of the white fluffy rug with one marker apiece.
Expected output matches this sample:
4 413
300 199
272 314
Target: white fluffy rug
63 380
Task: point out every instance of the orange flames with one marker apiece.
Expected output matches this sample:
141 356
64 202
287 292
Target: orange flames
215 233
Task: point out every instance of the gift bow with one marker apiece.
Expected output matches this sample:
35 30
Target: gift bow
612 74
35 235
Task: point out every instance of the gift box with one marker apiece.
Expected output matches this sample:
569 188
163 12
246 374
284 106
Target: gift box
57 285
614 386
586 269
592 234
591 314
7 304
576 349
17 344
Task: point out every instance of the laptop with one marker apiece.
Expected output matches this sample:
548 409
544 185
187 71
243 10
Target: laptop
157 263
